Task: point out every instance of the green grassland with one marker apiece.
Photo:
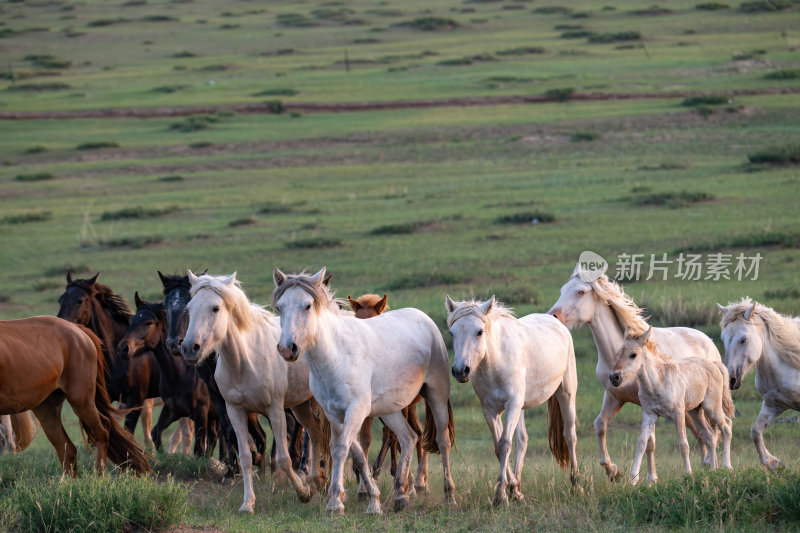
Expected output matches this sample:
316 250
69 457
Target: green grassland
407 201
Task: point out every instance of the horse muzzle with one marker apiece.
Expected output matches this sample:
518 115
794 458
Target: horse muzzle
174 346
461 374
736 382
615 378
124 351
191 352
289 353
558 313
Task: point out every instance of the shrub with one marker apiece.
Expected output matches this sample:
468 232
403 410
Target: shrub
429 24
31 216
199 145
673 199
184 54
552 10
765 6
38 149
313 242
110 503
48 61
559 95
40 87
274 208
584 136
132 242
39 176
275 107
400 229
277 92
60 270
630 35
97 145
526 217
521 50
712 6
785 74
137 213
577 34
106 22
158 18
294 20
704 100
562 27
194 123
169 88
246 221
170 178
777 155
652 11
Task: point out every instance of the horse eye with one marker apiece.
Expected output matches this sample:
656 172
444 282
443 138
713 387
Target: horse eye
480 333
216 309
743 341
581 292
633 355
308 306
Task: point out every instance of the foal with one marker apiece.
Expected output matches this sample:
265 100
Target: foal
672 388
368 306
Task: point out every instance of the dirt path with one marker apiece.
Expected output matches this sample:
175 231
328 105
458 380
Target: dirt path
347 107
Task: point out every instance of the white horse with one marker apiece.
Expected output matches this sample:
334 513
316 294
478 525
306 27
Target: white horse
589 297
516 364
362 368
8 443
672 388
251 376
755 335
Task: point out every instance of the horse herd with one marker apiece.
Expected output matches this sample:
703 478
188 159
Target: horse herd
320 374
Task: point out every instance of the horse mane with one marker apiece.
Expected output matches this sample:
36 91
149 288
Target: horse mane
114 304
472 307
156 308
629 315
322 295
176 281
245 314
781 331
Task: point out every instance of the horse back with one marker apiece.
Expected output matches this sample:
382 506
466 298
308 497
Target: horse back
680 343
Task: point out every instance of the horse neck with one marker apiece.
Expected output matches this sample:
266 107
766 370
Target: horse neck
607 332
323 349
239 349
498 339
651 373
109 330
169 366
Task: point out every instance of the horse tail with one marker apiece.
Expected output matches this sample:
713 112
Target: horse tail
727 402
413 419
123 450
430 430
555 433
25 429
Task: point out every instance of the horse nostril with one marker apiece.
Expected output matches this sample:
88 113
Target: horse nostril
196 348
733 383
294 349
466 371
453 371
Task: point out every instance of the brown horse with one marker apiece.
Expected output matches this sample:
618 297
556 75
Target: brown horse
368 306
46 360
108 316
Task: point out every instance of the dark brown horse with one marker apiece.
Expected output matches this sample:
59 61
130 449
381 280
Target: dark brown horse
184 394
368 306
108 315
46 360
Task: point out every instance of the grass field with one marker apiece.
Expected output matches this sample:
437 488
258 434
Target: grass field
411 202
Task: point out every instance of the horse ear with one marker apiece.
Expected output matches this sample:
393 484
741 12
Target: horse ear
327 280
721 308
646 336
749 313
230 279
93 279
278 277
69 276
319 277
354 305
577 269
138 301
192 277
627 333
381 305
488 305
449 304
162 277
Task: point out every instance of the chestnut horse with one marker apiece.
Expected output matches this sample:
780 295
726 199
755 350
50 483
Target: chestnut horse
108 315
47 360
368 306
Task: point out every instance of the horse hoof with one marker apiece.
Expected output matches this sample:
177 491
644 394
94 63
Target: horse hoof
337 511
305 496
500 499
421 489
363 496
246 508
374 508
517 496
400 503
773 464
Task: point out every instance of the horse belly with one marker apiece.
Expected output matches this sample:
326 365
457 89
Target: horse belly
397 391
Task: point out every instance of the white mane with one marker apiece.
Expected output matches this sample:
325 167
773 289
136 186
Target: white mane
781 331
244 313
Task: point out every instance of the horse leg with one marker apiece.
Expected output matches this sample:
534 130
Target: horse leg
259 437
343 435
421 484
166 418
9 443
386 441
650 451
690 424
131 419
407 439
680 423
238 419
277 417
765 418
513 413
97 428
520 447
49 414
565 395
611 404
437 397
147 421
708 436
200 417
648 424
364 440
314 433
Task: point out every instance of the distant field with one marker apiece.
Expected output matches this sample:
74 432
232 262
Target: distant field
413 202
